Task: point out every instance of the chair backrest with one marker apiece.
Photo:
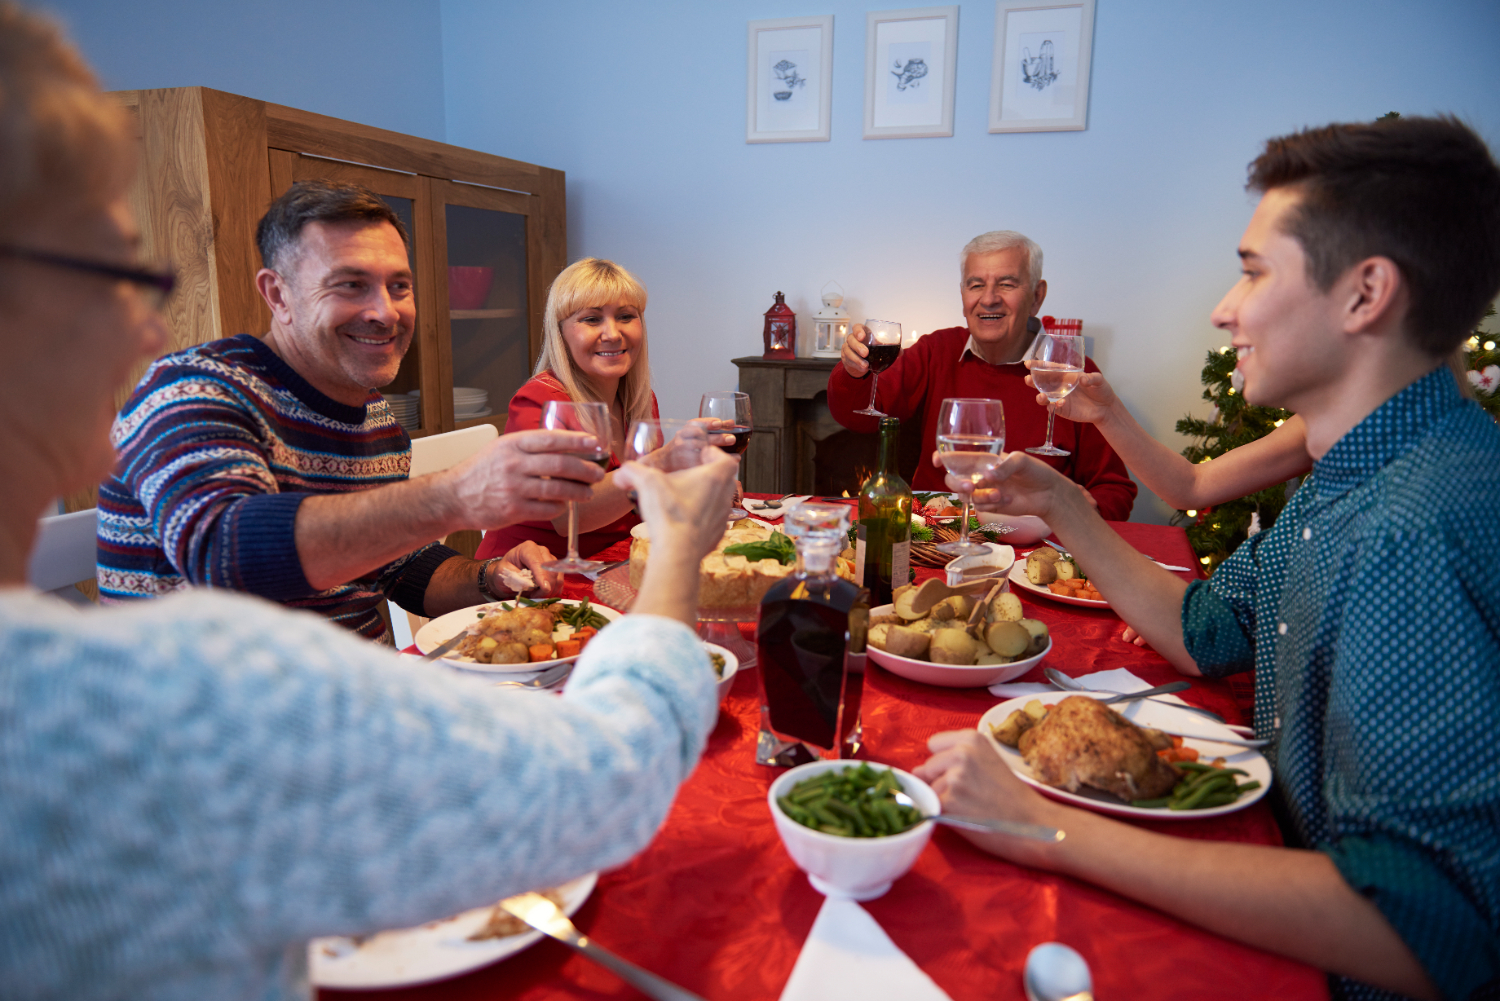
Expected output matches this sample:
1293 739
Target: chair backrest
65 553
439 451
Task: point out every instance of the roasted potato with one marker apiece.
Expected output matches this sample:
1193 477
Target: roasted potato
1009 732
989 658
1006 608
1041 572
942 612
876 636
1066 569
962 605
1008 639
903 641
891 619
903 606
1039 634
953 646
1045 553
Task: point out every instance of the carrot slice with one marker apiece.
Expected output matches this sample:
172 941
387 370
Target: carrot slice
542 651
569 648
1058 587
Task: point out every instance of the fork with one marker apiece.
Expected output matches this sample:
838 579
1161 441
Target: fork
549 678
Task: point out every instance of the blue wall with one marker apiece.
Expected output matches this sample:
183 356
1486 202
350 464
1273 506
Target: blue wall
644 106
379 62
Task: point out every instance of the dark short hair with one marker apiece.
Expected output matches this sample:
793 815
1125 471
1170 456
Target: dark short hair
1424 192
318 201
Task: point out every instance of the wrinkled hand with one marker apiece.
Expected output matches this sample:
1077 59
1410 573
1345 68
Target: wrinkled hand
1089 402
970 779
1020 484
531 556
522 476
713 424
684 510
683 451
854 353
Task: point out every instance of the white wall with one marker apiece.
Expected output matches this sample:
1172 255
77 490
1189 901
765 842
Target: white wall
643 106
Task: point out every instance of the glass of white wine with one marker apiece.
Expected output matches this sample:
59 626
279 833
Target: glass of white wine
970 441
590 418
1056 367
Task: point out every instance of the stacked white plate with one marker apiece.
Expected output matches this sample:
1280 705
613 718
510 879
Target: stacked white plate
406 410
470 403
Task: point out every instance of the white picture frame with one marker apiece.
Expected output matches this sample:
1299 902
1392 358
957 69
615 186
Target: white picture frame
901 103
789 80
1039 81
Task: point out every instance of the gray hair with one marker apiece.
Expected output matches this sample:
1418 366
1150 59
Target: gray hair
1003 239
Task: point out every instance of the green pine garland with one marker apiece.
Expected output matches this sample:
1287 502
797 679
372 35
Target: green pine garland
1217 531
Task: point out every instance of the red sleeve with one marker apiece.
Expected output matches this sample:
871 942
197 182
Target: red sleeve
525 411
1101 471
902 389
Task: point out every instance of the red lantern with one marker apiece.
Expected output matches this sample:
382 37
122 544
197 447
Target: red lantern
780 333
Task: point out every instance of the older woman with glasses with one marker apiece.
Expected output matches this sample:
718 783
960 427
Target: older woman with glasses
191 788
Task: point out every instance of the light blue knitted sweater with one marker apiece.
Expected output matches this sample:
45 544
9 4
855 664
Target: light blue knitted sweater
191 788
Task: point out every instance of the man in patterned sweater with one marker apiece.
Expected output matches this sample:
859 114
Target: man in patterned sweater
1373 252
1001 281
273 466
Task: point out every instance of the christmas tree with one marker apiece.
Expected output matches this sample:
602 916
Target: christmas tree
1217 531
1481 364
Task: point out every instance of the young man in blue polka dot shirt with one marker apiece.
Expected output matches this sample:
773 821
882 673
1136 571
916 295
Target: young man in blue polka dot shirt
1369 612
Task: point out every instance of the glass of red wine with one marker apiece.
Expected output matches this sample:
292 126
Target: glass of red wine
732 411
883 340
590 418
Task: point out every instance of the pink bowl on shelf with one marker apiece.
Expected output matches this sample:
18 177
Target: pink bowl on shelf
468 288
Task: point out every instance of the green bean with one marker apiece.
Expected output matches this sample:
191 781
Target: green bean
1249 786
1197 795
854 802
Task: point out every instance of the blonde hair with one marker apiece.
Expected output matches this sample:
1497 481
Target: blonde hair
61 140
584 284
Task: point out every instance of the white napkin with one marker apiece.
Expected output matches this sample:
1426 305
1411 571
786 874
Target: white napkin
759 506
849 957
1118 680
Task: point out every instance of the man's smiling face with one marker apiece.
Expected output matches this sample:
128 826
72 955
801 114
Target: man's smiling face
998 300
349 307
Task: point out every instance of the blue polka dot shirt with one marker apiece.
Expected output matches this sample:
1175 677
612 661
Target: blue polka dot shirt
1370 613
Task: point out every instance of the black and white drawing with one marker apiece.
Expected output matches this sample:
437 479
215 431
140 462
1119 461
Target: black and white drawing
786 72
910 74
1038 71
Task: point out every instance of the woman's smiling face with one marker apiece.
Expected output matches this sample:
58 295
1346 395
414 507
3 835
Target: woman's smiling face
604 341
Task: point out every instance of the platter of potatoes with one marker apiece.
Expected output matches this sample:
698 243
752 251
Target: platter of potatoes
1055 575
968 636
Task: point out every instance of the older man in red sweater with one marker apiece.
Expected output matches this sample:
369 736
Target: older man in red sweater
1002 289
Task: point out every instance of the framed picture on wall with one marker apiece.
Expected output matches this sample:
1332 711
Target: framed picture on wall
1040 78
788 92
910 58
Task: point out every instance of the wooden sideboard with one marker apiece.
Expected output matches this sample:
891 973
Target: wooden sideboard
798 447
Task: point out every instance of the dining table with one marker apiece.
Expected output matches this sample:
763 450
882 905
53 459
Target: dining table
715 904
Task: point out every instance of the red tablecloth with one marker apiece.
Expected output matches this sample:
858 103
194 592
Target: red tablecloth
716 905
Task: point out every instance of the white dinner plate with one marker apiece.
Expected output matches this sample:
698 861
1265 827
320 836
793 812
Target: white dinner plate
1018 578
434 951
445 627
951 675
1144 712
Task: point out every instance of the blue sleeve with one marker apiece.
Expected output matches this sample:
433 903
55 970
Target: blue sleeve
1218 615
194 455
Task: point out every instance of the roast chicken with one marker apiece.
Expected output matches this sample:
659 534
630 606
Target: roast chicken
1081 742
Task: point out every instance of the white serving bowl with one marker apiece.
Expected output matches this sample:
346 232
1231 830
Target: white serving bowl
856 868
731 666
953 675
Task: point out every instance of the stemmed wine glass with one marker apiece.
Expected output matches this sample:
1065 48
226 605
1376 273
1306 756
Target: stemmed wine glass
970 441
1056 367
885 345
733 410
590 418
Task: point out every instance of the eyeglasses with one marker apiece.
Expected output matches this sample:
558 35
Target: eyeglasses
154 285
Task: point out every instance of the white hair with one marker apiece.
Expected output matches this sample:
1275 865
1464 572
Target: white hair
1003 239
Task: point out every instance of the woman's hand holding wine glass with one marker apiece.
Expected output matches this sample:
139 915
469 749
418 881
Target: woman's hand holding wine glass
1056 367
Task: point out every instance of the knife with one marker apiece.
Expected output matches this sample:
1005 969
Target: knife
444 647
543 915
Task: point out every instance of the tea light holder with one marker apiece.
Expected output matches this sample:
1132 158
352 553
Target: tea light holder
830 325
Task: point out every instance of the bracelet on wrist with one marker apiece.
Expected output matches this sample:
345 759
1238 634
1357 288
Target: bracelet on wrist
485 588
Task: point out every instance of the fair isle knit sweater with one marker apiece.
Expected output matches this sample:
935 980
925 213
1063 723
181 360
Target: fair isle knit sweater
218 447
192 788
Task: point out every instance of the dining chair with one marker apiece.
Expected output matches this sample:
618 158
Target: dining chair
65 553
431 454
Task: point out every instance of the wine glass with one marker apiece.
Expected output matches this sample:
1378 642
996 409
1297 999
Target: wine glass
885 345
665 444
733 410
1056 367
970 441
590 418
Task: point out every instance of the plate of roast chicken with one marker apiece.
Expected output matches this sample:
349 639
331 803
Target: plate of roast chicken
1075 749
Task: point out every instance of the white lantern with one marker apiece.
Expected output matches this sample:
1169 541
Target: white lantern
830 325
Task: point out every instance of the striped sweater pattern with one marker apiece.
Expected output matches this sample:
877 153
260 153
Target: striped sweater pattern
217 448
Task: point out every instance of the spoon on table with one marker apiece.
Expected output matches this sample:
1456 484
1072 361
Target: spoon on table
1054 972
1069 685
1034 831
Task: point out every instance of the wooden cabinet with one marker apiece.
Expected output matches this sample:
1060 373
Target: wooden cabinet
212 162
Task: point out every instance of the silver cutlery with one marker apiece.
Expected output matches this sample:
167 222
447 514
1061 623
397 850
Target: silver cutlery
444 647
1068 684
1034 831
543 915
552 676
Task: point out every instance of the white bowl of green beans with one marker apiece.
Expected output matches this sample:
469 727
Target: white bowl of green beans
863 863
